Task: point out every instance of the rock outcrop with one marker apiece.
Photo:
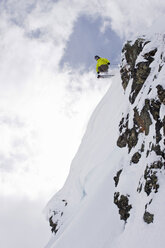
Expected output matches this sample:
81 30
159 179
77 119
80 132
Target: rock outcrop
142 128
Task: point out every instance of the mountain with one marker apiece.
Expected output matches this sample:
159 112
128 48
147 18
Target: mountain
114 194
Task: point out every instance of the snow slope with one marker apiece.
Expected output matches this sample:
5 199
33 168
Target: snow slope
95 159
83 213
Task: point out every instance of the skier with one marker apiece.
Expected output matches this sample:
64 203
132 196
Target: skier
102 65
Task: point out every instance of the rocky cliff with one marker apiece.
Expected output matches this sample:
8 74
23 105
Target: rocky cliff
142 127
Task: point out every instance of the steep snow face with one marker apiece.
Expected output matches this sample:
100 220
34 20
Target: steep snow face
114 194
95 159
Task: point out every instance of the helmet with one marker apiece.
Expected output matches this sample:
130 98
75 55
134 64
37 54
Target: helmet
97 57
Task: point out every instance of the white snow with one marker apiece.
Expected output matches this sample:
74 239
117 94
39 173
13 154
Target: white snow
89 218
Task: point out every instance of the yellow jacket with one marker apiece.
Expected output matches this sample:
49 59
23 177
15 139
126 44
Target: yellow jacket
101 61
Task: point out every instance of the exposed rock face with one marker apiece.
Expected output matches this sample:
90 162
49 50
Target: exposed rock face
54 226
136 157
141 73
137 72
143 120
56 216
130 51
150 180
148 218
116 178
161 94
142 127
128 137
123 205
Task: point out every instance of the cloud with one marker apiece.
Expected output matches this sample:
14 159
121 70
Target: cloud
125 17
41 103
17 152
87 40
22 223
45 27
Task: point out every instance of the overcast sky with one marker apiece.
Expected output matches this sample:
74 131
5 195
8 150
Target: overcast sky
48 89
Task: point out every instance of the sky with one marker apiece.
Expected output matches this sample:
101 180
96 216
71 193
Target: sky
48 90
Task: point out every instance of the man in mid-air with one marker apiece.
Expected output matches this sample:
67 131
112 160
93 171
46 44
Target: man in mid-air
102 65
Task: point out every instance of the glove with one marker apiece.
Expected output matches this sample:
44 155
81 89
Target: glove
108 63
98 76
98 72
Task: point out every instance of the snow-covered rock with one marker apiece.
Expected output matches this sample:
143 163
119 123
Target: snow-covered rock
114 194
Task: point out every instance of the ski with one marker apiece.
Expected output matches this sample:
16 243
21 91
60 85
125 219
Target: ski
105 76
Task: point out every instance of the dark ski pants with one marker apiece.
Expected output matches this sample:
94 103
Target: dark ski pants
103 68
